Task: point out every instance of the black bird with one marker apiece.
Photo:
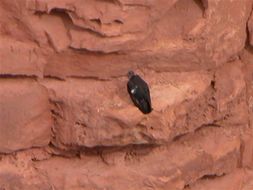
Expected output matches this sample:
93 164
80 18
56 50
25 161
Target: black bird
139 92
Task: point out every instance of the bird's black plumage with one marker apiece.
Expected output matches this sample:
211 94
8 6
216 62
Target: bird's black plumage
139 92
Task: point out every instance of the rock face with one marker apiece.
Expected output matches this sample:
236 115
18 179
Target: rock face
191 162
67 121
25 115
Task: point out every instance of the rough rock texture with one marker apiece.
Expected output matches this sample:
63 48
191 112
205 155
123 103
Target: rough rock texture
179 164
24 115
239 179
19 174
66 119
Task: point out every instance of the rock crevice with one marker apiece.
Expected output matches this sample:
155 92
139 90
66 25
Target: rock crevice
67 121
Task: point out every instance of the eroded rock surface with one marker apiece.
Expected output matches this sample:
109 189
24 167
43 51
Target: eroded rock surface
24 114
84 116
240 179
196 156
17 173
67 121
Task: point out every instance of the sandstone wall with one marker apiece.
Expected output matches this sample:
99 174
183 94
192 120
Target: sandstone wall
66 119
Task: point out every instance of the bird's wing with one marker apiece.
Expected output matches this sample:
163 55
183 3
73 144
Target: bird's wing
130 86
141 98
142 101
147 95
144 106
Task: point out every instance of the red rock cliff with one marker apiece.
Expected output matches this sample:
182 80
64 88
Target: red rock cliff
66 119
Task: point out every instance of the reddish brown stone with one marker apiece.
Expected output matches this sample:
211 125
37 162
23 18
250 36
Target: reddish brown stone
67 60
19 58
162 168
19 174
25 119
86 117
240 179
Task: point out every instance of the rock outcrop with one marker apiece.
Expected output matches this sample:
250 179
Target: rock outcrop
67 121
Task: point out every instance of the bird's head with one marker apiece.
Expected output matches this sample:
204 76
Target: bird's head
130 74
